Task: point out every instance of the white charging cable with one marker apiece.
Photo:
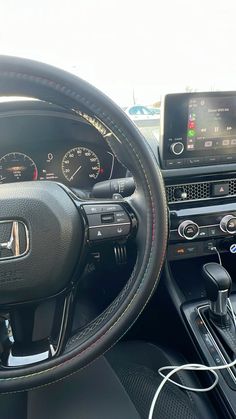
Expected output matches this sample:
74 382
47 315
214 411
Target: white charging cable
218 254
188 367
191 367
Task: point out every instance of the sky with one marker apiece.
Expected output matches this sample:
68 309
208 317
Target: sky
126 48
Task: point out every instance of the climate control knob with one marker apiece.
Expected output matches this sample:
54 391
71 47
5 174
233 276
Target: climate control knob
188 230
228 224
177 148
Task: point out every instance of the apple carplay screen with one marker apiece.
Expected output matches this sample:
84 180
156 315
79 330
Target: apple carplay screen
205 125
211 123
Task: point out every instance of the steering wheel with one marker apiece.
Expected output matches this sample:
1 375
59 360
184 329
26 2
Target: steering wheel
46 232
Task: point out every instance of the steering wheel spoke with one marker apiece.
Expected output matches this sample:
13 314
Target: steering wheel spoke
32 333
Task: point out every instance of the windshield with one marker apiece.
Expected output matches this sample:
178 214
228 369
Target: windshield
133 51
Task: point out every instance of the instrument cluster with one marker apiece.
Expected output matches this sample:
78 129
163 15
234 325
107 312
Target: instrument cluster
79 166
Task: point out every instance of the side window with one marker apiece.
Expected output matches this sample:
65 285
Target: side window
145 111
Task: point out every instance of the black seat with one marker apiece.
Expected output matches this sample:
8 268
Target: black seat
120 386
137 364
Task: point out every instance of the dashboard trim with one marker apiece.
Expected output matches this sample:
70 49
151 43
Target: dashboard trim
203 170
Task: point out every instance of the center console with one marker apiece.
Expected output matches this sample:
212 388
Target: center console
197 154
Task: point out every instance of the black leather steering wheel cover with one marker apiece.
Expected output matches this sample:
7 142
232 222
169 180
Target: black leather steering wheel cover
19 77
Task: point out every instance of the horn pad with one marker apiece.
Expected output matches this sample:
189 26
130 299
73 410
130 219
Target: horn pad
41 235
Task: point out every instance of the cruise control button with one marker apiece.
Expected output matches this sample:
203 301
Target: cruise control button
121 217
93 209
98 209
112 208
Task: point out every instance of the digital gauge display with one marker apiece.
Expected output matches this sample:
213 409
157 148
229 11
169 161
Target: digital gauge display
17 167
80 165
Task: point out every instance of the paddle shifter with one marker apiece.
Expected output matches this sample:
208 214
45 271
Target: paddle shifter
218 287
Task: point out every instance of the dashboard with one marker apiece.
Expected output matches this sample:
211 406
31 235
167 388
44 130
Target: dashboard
198 160
197 156
41 142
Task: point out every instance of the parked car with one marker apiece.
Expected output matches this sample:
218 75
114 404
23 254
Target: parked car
155 111
140 112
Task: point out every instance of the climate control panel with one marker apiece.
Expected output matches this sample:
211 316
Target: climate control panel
199 231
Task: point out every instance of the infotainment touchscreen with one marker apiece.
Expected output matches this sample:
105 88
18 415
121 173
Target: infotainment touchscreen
211 123
198 129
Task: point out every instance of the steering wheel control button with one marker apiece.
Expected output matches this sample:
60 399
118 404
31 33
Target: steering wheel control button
121 217
107 221
107 218
220 189
107 232
96 233
99 209
177 148
188 230
93 209
228 224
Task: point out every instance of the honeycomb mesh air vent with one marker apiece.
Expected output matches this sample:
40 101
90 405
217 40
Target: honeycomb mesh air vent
196 191
232 187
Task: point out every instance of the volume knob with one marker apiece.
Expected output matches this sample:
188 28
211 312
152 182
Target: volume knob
188 230
177 148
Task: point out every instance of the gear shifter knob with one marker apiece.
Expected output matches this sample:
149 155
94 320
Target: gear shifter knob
218 286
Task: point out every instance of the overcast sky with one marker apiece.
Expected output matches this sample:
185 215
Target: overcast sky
151 46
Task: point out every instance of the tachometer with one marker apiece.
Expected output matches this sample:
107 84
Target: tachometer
80 166
16 167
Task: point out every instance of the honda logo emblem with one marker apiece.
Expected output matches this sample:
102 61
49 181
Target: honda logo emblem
14 239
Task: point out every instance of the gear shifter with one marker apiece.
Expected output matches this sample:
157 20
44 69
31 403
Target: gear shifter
218 287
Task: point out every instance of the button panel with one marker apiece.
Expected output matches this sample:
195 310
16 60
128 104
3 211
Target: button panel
200 235
193 249
107 221
98 209
176 161
105 232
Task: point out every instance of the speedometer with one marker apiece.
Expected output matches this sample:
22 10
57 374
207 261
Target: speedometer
16 167
81 166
